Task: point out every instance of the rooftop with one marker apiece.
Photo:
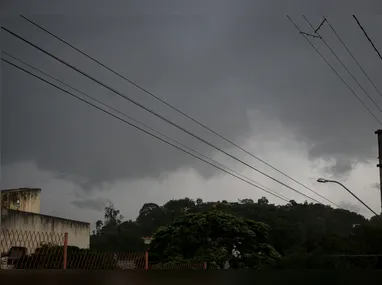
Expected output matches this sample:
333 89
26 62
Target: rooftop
16 212
21 190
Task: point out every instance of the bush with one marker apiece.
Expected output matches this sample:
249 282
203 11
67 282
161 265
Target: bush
52 257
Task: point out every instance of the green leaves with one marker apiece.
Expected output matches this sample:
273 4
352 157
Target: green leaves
212 237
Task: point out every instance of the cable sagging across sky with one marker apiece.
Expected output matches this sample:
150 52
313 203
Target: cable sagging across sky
156 114
140 123
145 131
344 66
367 36
174 108
351 54
336 73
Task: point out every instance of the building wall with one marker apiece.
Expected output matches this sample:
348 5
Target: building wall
29 200
30 230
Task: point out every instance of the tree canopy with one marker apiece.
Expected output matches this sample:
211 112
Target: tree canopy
298 232
214 237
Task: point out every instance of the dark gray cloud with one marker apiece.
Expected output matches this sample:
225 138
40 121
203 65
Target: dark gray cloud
97 204
340 166
216 66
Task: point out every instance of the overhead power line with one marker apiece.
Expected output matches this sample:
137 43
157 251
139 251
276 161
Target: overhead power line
337 74
356 61
174 108
140 123
367 36
143 130
343 65
156 114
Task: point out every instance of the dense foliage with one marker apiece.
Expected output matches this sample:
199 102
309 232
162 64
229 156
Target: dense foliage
305 235
216 238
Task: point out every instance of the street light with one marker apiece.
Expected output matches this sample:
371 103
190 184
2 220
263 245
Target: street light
147 242
323 180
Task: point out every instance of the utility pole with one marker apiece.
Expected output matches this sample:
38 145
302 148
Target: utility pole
379 165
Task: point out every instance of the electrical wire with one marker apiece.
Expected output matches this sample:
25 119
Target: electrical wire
138 122
141 129
343 65
351 54
338 75
174 108
156 114
368 38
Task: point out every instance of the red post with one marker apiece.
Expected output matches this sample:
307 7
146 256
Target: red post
65 249
204 265
146 260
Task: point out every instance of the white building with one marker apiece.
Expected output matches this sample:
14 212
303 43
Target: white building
23 225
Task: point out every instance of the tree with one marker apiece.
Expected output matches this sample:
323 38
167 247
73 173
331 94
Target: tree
112 216
199 201
263 201
147 208
179 206
246 201
115 235
99 225
211 237
176 208
151 216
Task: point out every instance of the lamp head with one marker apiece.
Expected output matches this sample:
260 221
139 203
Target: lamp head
322 180
147 240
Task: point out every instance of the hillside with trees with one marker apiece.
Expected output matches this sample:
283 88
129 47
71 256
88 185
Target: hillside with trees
291 236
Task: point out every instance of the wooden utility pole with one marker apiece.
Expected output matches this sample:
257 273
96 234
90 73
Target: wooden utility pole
379 165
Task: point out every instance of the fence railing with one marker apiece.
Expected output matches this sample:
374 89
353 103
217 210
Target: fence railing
178 266
48 250
30 240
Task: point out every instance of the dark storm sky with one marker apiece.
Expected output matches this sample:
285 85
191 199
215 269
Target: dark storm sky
218 63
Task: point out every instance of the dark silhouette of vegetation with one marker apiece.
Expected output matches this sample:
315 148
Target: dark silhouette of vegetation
51 257
305 235
212 237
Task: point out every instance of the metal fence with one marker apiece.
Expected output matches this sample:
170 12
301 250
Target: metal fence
19 246
48 250
178 266
30 240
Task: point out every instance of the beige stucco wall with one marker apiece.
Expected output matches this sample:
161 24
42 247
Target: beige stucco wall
31 229
29 200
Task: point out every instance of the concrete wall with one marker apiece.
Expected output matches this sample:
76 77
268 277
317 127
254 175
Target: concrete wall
31 229
29 200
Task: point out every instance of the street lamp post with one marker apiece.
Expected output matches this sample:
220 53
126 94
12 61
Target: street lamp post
322 180
147 242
